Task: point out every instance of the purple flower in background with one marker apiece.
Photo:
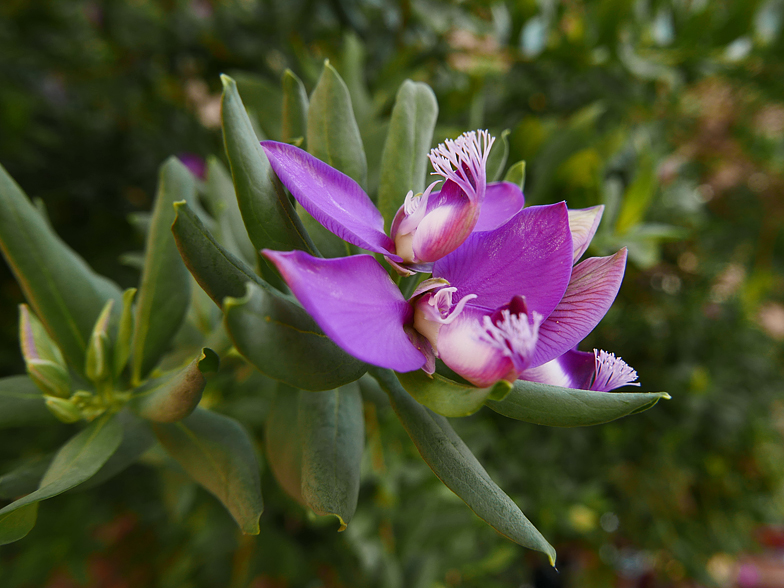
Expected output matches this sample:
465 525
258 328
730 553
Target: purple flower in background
505 300
195 164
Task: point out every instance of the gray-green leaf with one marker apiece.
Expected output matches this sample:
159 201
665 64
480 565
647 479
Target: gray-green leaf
332 430
404 160
446 397
165 288
543 404
333 134
218 454
283 443
455 465
17 524
59 286
278 337
295 108
266 210
22 404
76 461
174 396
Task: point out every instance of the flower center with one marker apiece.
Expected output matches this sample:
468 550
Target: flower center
514 335
432 310
611 372
464 161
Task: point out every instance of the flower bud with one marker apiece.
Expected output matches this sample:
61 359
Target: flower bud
97 363
45 363
64 409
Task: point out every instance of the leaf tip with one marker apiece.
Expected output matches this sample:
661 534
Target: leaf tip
209 362
228 82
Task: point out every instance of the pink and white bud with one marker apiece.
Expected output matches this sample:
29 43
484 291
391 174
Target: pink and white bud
431 225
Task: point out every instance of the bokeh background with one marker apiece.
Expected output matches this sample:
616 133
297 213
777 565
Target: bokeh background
668 112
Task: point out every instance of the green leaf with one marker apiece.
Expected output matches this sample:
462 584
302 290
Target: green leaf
165 287
404 159
455 465
76 461
262 99
174 396
59 286
218 454
278 337
333 134
445 396
553 406
266 210
332 430
43 360
283 443
137 438
295 108
17 524
496 161
98 362
25 477
21 403
217 271
638 196
122 347
516 174
230 231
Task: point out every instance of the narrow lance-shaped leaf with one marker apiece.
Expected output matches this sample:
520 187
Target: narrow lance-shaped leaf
173 397
217 453
332 430
269 328
76 461
21 403
283 342
44 362
59 286
554 406
333 134
165 287
122 347
222 198
98 362
496 161
17 524
404 160
266 210
295 119
137 438
516 174
446 397
456 466
295 108
283 443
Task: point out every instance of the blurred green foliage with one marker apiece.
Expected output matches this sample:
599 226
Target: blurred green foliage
669 113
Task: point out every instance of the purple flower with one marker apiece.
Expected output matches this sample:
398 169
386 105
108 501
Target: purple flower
428 226
505 300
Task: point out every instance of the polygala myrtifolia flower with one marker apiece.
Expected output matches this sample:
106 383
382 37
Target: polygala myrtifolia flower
504 299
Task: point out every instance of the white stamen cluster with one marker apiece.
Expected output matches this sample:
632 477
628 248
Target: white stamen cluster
441 301
464 160
514 335
612 372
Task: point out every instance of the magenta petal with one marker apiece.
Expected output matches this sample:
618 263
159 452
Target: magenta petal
573 369
355 303
529 256
583 224
462 345
449 220
594 285
502 201
331 197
